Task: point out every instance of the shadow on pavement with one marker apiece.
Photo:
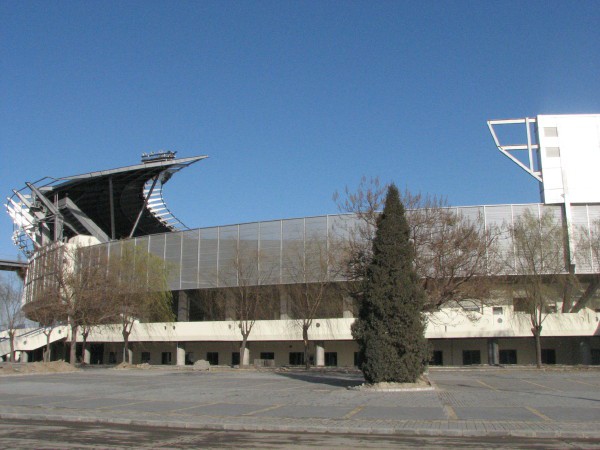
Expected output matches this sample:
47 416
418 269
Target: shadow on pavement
335 379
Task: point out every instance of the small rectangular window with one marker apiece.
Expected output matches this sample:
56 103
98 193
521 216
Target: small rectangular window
548 356
471 357
508 356
166 358
189 358
267 355
595 357
497 310
552 152
437 358
213 358
296 358
331 359
550 131
145 357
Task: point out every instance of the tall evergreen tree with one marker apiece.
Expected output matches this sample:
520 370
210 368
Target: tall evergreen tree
390 325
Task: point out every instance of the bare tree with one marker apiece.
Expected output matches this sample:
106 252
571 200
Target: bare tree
45 308
10 310
95 306
140 291
310 292
64 275
365 203
454 255
249 296
538 268
588 251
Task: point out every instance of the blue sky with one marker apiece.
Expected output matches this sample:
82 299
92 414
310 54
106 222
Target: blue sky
290 99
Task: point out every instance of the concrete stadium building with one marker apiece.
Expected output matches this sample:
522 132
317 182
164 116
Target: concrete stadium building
106 210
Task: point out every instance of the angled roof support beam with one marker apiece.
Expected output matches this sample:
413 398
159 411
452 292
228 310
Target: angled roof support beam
139 216
111 201
58 218
41 197
83 219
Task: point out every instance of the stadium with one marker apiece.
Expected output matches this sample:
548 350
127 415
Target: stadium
109 209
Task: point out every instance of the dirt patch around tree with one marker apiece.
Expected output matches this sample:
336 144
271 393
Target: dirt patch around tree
422 384
36 367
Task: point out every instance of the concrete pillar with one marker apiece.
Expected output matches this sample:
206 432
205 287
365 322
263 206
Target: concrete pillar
245 358
585 352
319 354
180 354
348 304
24 357
183 307
493 352
283 313
130 355
87 356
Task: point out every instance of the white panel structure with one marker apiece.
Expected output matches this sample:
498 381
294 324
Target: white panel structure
570 158
562 152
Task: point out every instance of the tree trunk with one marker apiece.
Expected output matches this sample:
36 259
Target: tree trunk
84 336
73 350
11 336
47 351
126 346
306 342
537 331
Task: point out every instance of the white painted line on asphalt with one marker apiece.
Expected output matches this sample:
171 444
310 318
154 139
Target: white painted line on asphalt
584 382
125 404
270 408
537 413
195 406
354 412
450 413
541 385
487 385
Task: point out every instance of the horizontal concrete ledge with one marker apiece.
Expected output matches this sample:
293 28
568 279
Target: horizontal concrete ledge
390 389
384 431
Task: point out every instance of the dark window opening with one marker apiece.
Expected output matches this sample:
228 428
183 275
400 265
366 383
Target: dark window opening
508 356
145 357
166 358
437 358
189 358
296 358
267 355
548 356
471 357
213 358
331 359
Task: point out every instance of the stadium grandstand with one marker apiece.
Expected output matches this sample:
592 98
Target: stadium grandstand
108 209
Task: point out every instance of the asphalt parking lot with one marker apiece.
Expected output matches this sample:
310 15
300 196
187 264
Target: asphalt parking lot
477 402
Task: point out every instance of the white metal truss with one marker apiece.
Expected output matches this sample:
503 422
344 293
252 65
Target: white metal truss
529 146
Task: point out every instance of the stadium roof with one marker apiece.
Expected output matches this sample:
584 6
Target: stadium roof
109 204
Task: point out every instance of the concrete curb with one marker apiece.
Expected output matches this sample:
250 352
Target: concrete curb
307 429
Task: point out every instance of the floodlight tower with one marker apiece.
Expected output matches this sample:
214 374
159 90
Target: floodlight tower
562 152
